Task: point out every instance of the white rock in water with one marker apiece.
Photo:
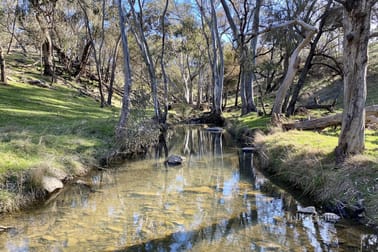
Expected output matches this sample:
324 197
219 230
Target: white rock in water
51 184
330 217
306 210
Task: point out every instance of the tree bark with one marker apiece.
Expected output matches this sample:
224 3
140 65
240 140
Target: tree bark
47 45
246 52
356 25
162 65
97 53
3 77
83 60
307 66
121 127
141 40
218 64
291 71
112 74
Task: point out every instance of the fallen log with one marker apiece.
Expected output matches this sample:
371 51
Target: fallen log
327 121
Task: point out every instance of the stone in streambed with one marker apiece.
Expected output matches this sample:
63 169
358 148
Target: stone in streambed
50 184
174 160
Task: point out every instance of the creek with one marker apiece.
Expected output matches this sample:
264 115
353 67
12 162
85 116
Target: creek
215 201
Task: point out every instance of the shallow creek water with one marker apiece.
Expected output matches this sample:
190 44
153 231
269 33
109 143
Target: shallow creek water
215 201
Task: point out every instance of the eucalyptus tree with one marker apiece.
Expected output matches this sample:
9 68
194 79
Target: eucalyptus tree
137 28
356 23
125 110
215 53
243 20
324 26
162 63
44 13
293 67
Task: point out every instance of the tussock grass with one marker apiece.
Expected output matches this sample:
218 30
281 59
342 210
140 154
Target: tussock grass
305 160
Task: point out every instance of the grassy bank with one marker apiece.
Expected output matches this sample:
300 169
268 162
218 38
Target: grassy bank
56 132
47 131
305 161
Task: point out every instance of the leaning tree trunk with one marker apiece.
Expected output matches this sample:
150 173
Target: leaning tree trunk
356 37
291 71
3 78
308 64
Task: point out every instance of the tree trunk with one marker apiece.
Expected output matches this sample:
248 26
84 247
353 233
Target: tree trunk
96 53
291 71
162 66
47 57
112 74
218 64
199 88
121 127
47 45
3 77
83 61
307 66
141 40
356 37
13 29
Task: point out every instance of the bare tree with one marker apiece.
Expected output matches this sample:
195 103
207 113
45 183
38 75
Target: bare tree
246 47
357 14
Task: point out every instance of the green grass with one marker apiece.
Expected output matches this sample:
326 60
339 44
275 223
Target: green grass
39 125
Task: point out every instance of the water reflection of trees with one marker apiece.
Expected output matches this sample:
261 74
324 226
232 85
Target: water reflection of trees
260 216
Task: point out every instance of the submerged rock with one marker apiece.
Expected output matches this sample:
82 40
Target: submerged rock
174 160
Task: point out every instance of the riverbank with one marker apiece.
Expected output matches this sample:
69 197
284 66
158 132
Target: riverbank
305 160
52 134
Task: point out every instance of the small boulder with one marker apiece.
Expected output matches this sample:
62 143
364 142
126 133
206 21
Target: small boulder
50 184
174 160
